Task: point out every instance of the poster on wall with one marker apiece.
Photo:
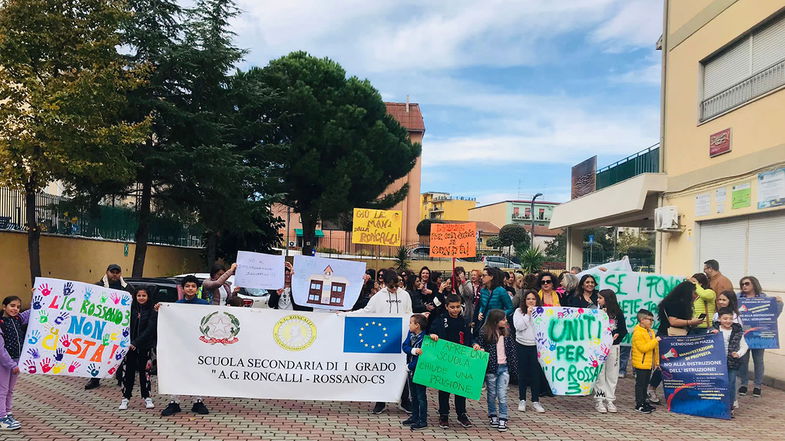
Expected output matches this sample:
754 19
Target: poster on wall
703 204
695 375
721 196
323 283
572 344
771 189
76 329
741 196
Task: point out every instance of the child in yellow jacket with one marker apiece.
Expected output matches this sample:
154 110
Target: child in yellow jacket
645 357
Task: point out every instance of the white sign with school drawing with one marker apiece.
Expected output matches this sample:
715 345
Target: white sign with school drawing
324 283
259 271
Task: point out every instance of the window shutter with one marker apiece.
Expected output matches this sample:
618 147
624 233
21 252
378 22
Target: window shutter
766 249
768 45
726 242
727 68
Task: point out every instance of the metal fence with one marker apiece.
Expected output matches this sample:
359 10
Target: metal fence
645 161
759 84
56 215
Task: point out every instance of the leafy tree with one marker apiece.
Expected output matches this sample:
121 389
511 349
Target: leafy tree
512 234
62 91
402 258
556 249
341 148
531 260
493 242
628 241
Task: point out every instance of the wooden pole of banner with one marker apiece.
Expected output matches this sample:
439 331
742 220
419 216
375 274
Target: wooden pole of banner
453 276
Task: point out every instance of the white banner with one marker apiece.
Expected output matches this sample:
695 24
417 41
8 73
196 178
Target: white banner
324 283
266 353
76 329
259 271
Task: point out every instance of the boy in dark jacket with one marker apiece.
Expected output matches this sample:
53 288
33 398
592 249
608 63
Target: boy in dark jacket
733 336
143 336
412 346
452 326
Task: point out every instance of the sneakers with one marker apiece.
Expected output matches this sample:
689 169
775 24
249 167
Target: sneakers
406 407
148 403
502 425
736 404
651 394
522 405
538 407
92 384
756 392
123 404
408 421
465 421
644 409
611 407
418 426
743 391
171 409
9 423
379 408
600 407
443 422
622 374
494 421
199 408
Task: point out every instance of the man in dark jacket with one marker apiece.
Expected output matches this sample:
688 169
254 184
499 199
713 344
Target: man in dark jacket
112 279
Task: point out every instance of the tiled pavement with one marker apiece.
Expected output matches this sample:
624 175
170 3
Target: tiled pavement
57 408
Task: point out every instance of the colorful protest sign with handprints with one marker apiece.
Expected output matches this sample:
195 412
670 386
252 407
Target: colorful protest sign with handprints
76 329
572 345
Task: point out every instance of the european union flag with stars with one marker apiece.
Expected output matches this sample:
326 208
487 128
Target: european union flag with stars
372 335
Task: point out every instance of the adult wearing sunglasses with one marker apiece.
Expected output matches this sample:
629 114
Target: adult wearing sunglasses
546 285
750 287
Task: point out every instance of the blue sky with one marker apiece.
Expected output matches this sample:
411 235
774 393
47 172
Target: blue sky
513 92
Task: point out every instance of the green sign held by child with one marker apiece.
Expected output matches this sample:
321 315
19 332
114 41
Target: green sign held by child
451 367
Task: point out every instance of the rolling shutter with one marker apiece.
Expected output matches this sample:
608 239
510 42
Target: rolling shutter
768 45
726 242
727 68
766 250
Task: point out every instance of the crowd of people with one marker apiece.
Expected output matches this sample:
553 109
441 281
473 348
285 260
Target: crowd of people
486 309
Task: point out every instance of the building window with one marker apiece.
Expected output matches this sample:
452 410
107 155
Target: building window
516 212
527 213
541 214
750 67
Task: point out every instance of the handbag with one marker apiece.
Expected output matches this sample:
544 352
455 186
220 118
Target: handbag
674 331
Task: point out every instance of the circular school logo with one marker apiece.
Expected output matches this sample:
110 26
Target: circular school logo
219 327
294 332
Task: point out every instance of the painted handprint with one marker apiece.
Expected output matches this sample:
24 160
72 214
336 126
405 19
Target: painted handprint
43 317
126 300
34 353
31 369
104 298
88 292
58 368
112 370
65 341
125 332
45 289
37 299
93 369
35 335
115 298
60 318
68 289
59 354
119 355
46 364
74 365
105 339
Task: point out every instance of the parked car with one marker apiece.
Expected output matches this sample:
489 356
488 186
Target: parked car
420 253
161 289
499 262
252 298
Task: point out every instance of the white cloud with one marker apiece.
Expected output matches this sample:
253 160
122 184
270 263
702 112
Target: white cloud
635 24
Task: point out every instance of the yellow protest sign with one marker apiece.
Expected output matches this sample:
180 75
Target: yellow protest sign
377 227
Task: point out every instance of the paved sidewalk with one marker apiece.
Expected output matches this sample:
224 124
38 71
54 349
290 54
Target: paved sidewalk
57 408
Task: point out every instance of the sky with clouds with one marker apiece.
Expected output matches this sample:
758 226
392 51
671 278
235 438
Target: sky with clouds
513 92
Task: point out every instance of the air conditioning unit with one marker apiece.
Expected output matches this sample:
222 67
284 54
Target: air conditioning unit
666 219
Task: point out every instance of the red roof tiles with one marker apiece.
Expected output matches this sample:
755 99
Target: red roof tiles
411 120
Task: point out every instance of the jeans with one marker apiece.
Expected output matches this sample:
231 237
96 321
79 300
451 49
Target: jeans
641 381
444 404
656 378
419 401
497 390
757 360
624 357
732 373
528 372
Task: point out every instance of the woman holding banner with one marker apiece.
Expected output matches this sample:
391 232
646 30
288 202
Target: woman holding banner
586 295
750 287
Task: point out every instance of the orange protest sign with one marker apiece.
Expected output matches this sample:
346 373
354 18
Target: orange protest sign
454 240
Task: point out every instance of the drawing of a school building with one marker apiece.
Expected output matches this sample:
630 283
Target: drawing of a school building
326 289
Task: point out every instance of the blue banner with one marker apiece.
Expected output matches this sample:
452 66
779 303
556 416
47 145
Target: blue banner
695 375
759 317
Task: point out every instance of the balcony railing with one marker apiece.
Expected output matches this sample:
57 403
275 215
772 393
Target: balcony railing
645 161
759 84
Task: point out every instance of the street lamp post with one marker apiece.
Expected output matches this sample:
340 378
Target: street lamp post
532 215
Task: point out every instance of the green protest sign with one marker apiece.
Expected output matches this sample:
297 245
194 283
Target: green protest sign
451 367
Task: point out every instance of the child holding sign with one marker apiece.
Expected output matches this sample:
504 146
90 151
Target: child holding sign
735 345
495 339
13 325
412 346
452 326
